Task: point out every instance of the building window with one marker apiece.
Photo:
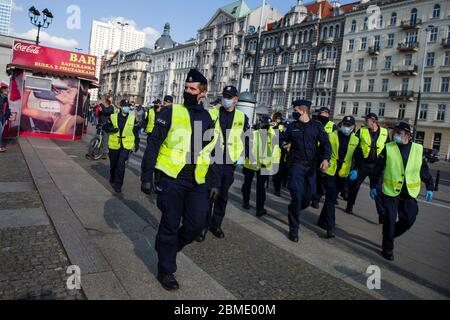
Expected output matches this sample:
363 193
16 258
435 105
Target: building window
393 18
385 85
365 25
285 59
441 112
447 58
423 112
360 65
401 112
355 108
420 137
363 43
445 84
343 108
391 40
430 59
413 16
408 59
353 28
345 86
436 11
371 87
368 108
405 85
351 45
411 37
382 109
427 85
348 66
358 86
434 34
377 41
373 63
388 62
437 141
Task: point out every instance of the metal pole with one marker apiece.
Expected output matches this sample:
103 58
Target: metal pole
419 95
39 31
242 58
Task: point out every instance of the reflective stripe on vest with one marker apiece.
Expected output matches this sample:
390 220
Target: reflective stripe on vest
235 145
172 154
348 161
127 137
395 173
151 121
269 156
366 141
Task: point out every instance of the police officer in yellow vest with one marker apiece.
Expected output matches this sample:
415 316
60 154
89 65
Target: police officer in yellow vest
405 167
149 125
262 157
343 145
372 140
123 138
329 126
281 176
181 158
233 124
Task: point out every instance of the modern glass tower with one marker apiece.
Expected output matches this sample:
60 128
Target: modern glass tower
5 16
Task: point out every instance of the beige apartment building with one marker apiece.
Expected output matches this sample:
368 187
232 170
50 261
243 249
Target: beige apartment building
384 57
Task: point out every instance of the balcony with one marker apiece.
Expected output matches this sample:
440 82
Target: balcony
407 96
248 70
251 52
323 85
326 64
405 70
374 51
328 40
411 24
237 47
408 47
235 61
446 43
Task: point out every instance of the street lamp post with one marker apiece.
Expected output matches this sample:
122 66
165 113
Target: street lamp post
40 21
422 72
122 26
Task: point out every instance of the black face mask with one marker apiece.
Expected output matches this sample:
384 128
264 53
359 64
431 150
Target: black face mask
323 119
190 100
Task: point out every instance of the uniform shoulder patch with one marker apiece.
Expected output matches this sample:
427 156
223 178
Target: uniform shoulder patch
161 122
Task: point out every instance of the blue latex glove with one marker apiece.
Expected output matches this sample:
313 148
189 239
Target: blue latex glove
429 196
353 175
373 193
239 163
142 131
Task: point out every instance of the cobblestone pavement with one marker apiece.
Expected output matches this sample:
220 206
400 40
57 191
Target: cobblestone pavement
33 262
248 266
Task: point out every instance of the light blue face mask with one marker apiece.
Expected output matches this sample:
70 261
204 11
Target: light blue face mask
126 109
227 103
347 130
398 139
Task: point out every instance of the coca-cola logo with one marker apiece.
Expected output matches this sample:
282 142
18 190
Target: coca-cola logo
28 48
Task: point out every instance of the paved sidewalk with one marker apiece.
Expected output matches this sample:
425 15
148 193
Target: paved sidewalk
33 262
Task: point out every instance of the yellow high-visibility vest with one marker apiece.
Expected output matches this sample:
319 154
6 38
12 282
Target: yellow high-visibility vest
395 173
235 145
267 156
348 160
172 154
127 138
366 141
151 121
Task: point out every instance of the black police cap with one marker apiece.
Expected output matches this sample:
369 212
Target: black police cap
196 76
403 126
323 110
349 120
298 103
157 101
168 99
124 103
230 91
372 116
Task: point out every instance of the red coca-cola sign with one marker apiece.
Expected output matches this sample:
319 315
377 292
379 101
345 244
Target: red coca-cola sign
40 58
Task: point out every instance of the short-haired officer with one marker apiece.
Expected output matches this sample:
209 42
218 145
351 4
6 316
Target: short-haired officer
304 136
405 167
323 116
180 174
123 138
343 145
167 101
233 124
372 140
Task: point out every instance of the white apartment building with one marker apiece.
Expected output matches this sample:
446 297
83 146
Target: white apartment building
380 67
5 16
221 42
109 37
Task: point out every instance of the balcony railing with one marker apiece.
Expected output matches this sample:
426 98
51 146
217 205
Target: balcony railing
408 46
401 95
326 63
374 51
446 43
323 85
411 24
405 70
328 40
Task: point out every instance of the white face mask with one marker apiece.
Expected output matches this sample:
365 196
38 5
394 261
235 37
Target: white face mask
227 103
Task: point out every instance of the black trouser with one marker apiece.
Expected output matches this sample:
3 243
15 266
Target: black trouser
406 210
333 184
354 186
321 183
260 187
281 176
118 159
146 174
217 209
184 207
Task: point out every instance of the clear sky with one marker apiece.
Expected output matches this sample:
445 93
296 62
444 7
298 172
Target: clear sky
185 17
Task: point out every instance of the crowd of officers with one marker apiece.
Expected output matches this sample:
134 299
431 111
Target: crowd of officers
192 175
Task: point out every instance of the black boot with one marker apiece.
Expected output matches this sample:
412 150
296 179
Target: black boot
315 204
202 237
261 212
246 205
349 210
217 232
331 234
388 255
293 237
277 193
381 219
168 281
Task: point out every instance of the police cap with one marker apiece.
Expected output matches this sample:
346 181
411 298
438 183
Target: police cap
403 126
299 103
230 91
196 76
